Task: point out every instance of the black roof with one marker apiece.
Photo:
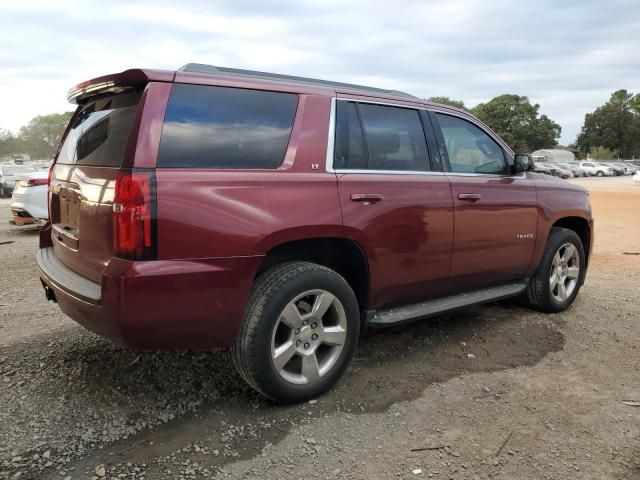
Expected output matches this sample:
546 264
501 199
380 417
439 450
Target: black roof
202 68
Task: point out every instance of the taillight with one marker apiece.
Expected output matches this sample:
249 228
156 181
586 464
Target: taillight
36 182
53 165
134 215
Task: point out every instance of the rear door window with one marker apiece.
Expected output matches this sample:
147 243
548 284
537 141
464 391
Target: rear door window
395 138
221 127
100 131
349 150
379 137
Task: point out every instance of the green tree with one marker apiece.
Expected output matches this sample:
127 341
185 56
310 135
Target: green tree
518 122
615 126
448 101
41 136
602 153
7 143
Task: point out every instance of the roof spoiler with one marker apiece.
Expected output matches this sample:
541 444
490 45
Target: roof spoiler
116 83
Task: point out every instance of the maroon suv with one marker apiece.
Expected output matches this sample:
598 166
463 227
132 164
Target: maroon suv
278 216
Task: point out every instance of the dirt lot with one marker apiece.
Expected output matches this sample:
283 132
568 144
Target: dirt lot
490 392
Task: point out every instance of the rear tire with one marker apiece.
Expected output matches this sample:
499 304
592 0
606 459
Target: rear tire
299 332
599 173
558 279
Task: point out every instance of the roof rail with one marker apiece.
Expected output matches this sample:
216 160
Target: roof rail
202 68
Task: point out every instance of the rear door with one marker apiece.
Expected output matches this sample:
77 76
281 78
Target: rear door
393 203
495 212
83 180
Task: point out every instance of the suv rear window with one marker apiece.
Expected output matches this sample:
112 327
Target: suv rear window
221 127
99 133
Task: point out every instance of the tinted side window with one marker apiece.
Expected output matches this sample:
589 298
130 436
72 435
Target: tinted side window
349 150
395 138
220 127
469 149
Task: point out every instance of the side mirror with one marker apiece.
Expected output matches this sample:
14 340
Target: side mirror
523 163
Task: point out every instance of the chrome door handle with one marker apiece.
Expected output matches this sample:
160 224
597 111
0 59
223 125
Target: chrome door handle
469 197
366 198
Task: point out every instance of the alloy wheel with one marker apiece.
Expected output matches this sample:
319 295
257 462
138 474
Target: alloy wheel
309 337
565 272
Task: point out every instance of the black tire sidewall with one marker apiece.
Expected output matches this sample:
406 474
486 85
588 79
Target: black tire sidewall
557 239
265 374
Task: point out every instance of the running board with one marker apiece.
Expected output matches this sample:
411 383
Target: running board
407 313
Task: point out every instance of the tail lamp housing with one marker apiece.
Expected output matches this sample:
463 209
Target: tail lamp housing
134 215
36 182
53 165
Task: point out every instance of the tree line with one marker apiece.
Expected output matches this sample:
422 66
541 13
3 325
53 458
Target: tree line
611 131
39 138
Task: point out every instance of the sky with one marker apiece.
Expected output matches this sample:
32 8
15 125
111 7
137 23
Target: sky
568 56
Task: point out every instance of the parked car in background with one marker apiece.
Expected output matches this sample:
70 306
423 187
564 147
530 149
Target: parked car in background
627 168
8 173
574 167
562 172
544 167
597 169
279 216
30 199
636 176
617 170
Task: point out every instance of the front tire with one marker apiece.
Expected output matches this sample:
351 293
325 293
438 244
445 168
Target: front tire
558 279
299 332
599 173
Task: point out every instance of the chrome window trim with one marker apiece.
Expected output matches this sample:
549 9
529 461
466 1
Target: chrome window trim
389 172
493 175
332 137
386 104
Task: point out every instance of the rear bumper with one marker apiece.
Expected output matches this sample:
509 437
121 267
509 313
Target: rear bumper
156 305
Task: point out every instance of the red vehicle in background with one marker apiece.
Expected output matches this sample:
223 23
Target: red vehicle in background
278 216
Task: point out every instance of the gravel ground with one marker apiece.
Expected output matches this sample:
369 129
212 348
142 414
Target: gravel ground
488 392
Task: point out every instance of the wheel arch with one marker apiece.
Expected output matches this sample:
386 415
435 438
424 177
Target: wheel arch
581 226
340 254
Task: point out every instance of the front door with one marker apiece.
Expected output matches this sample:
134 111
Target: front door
495 211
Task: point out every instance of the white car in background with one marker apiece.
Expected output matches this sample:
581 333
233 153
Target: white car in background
8 176
596 169
30 198
636 176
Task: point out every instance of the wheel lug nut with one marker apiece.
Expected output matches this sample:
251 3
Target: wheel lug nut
306 345
305 322
314 325
298 342
297 330
314 337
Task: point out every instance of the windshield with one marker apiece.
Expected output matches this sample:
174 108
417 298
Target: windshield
99 133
